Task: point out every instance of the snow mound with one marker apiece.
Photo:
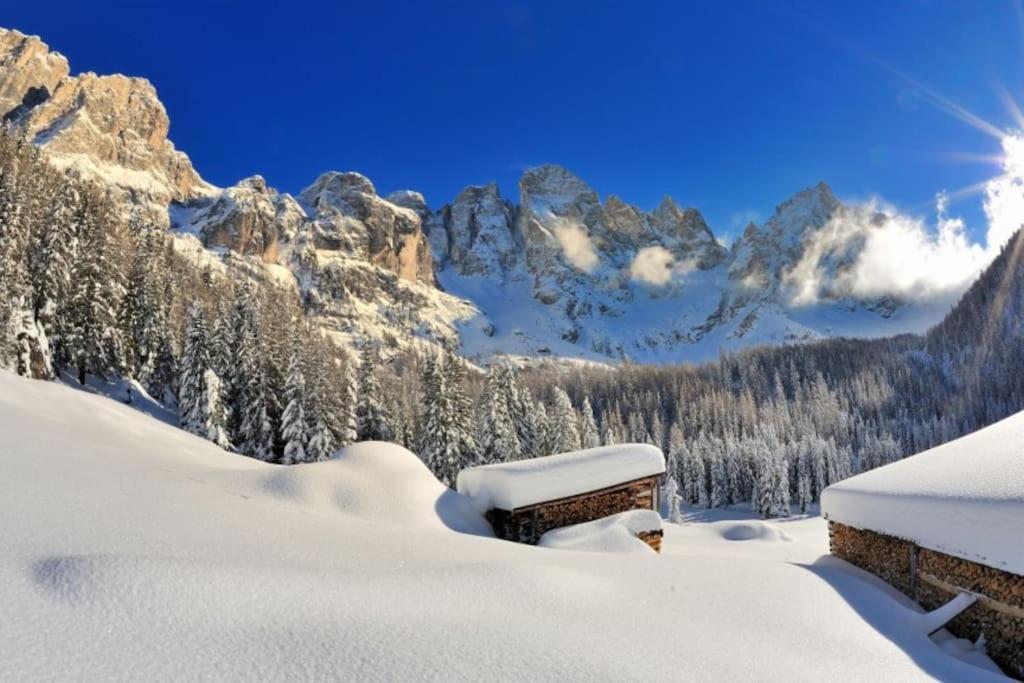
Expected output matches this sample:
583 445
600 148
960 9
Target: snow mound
517 484
614 534
375 481
754 531
963 498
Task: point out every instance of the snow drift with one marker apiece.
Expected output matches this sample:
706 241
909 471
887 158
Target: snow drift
131 549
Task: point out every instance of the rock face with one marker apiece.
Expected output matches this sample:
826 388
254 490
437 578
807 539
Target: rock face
29 72
112 128
249 218
476 233
349 215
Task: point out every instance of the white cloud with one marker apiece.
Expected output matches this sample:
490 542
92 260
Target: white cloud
871 249
657 266
652 265
576 244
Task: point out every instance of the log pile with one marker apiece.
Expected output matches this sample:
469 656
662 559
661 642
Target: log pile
652 538
528 524
932 579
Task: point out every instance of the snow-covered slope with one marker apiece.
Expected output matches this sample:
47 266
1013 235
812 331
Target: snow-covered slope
132 550
964 498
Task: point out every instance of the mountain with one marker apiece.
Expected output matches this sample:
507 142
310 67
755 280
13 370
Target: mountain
560 273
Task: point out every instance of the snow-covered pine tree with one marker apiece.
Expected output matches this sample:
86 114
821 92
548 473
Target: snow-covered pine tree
347 424
321 438
454 371
802 454
589 437
565 435
658 431
498 439
771 485
373 421
255 431
670 492
199 402
17 324
673 500
438 442
140 314
294 430
542 433
215 426
51 263
718 483
94 335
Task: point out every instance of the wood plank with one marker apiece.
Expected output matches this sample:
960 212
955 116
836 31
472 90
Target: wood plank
986 601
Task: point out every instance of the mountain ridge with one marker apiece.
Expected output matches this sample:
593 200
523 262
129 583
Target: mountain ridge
558 273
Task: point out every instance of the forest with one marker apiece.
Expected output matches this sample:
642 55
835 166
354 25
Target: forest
85 292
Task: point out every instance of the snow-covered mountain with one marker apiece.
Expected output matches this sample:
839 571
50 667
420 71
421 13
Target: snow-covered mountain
558 273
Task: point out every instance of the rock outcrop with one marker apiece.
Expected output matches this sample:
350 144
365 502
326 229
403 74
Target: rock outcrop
111 128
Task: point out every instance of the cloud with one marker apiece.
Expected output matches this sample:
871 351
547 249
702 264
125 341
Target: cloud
576 244
652 265
657 266
871 249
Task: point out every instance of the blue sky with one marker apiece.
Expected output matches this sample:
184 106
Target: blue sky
731 107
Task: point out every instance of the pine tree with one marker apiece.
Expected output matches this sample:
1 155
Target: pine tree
347 424
200 406
373 421
320 445
674 501
94 335
294 430
454 371
439 437
565 435
588 426
498 438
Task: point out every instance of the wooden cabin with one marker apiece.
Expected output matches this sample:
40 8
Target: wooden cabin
945 522
523 500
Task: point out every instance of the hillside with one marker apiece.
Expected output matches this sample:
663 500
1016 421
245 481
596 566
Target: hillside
560 273
130 546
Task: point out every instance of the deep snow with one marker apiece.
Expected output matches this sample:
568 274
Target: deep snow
964 498
132 550
510 485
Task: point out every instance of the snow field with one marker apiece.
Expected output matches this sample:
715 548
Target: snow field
132 550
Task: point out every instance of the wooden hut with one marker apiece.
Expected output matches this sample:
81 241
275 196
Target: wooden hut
945 522
524 499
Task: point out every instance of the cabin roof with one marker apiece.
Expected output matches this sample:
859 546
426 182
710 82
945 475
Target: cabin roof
512 485
963 498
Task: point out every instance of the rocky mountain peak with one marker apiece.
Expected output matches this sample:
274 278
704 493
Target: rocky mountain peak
257 183
556 185
333 185
111 128
29 71
409 199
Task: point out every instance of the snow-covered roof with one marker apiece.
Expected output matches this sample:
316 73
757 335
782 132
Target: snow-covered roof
526 482
964 498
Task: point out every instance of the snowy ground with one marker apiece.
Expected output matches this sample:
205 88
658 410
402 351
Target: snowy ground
131 550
